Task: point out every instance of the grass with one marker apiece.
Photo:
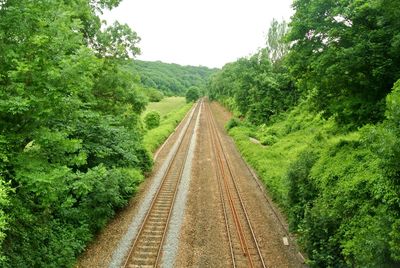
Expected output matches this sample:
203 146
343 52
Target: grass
166 105
172 111
336 187
292 135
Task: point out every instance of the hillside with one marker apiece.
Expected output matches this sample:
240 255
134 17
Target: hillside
171 79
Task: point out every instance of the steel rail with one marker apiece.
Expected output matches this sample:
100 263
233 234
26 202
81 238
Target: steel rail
163 181
224 209
219 150
238 226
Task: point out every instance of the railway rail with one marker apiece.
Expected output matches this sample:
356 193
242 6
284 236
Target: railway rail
147 246
244 247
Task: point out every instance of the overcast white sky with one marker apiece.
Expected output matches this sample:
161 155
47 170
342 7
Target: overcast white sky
199 32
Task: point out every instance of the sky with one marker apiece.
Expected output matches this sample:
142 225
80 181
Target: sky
199 32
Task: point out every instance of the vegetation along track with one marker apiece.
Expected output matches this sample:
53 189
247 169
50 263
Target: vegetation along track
244 248
146 248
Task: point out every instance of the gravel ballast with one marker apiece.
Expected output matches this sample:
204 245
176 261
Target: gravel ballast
171 242
121 251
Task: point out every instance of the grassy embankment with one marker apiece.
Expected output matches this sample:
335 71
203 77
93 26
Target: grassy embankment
172 111
280 145
338 188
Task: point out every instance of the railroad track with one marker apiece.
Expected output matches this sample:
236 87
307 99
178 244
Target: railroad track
244 248
146 248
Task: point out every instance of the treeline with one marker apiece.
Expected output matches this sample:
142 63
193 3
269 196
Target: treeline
171 79
323 100
71 149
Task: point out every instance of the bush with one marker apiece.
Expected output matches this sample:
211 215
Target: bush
302 189
269 140
155 137
154 95
233 122
152 120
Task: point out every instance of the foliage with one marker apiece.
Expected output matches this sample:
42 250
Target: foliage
153 94
152 120
4 220
256 89
233 122
346 55
71 140
171 79
330 156
155 137
291 135
277 48
192 94
340 190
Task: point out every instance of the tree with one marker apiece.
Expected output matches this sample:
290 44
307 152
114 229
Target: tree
254 88
192 94
346 54
171 79
275 44
71 149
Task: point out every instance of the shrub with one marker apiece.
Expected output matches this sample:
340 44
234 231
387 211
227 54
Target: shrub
154 95
152 120
155 137
269 140
302 189
233 122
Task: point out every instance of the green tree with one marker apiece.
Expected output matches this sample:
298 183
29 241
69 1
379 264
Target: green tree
153 94
254 88
171 79
276 46
192 94
346 54
71 148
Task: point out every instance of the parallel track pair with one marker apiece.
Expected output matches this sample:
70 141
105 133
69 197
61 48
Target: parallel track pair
244 248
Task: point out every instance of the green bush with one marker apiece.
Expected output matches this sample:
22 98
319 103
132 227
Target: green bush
156 136
340 190
268 140
233 122
152 119
302 188
153 94
4 204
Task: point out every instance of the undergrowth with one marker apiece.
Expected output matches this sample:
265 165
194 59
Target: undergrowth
156 136
339 190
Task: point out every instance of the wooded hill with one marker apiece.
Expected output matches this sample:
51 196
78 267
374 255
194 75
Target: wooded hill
323 101
171 79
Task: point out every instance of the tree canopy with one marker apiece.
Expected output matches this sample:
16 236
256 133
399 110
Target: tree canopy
70 134
347 54
171 79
